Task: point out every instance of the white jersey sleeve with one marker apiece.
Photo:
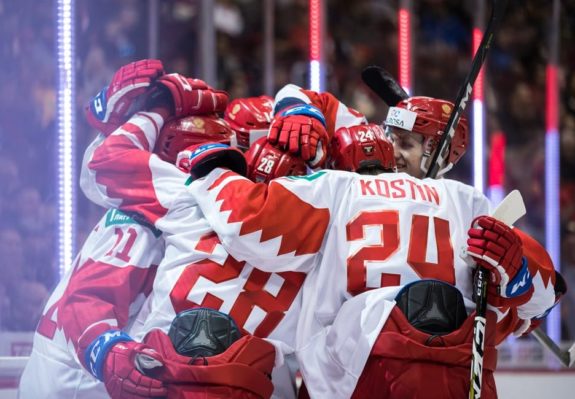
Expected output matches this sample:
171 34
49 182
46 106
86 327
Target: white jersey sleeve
336 113
105 289
122 172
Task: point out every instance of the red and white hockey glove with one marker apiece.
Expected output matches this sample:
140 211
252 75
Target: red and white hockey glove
266 162
122 364
496 247
200 159
187 96
301 130
114 105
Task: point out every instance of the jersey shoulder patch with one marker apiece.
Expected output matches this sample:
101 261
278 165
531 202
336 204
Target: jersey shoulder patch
118 217
310 177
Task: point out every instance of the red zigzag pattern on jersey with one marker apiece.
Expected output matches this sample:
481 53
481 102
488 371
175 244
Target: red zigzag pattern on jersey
538 260
275 211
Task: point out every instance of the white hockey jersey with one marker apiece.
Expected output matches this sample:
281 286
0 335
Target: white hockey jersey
352 235
196 271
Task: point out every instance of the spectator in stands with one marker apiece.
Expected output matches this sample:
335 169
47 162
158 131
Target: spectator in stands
11 269
27 301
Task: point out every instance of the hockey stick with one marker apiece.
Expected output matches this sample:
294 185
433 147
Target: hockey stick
440 155
566 357
383 84
508 212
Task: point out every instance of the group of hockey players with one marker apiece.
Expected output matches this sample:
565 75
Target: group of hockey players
287 236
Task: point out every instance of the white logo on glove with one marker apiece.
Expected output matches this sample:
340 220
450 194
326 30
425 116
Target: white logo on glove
183 81
98 106
519 284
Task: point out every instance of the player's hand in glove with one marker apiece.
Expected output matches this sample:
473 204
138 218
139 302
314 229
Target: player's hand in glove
201 159
186 96
496 247
301 130
114 105
123 364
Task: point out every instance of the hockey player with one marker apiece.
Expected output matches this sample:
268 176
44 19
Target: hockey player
414 125
413 149
109 284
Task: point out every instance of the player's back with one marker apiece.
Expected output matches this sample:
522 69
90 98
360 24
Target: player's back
390 230
196 271
385 232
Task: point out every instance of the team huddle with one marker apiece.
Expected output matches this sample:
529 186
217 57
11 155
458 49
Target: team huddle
288 236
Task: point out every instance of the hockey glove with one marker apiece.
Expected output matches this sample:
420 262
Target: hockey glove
201 159
121 364
241 371
123 97
186 96
266 162
301 130
496 247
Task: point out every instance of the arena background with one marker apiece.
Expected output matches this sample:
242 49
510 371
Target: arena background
250 47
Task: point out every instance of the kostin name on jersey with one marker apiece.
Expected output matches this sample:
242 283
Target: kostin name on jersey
399 189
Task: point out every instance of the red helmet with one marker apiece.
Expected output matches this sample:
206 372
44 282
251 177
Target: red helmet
428 116
266 162
250 118
361 147
178 134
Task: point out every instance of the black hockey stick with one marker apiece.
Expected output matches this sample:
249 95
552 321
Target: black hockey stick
383 84
479 325
566 357
508 211
440 155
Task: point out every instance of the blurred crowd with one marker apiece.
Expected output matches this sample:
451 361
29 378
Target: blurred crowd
110 33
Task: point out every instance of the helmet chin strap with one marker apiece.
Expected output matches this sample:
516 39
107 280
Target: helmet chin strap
427 156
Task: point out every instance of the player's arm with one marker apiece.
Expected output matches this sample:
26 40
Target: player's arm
125 173
120 171
523 278
304 122
336 113
112 275
522 284
279 227
549 286
114 269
